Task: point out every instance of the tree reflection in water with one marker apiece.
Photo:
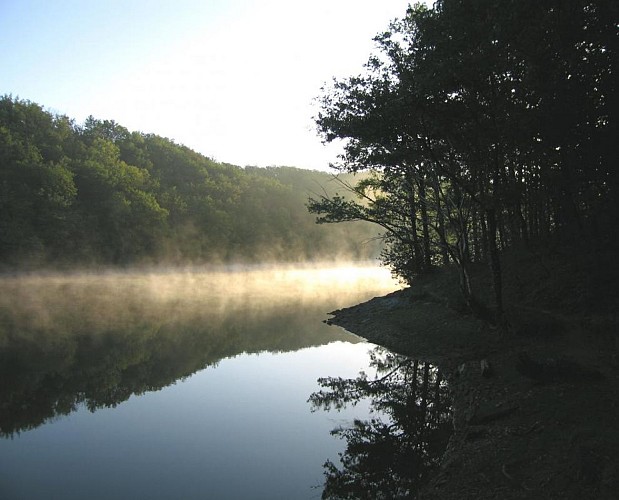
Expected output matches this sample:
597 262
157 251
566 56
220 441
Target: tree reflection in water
390 455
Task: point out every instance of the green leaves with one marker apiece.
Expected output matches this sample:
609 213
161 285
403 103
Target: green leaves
35 194
101 194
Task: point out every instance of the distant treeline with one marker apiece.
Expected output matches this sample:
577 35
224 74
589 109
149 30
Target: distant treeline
98 194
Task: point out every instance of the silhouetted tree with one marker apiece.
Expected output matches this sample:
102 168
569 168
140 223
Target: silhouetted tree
488 123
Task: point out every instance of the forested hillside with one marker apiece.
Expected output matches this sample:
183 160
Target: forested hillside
486 125
98 194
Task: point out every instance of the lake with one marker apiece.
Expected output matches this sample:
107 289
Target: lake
200 383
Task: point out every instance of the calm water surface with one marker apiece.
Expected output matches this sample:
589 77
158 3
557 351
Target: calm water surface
176 384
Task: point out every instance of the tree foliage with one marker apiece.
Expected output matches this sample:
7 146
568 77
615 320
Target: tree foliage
485 125
97 193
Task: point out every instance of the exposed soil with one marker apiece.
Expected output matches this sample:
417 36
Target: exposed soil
543 422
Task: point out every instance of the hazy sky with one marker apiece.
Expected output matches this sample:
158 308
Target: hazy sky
232 79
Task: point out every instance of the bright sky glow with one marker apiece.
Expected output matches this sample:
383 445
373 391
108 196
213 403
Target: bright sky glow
232 79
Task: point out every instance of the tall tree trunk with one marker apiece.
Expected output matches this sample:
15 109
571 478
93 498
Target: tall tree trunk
501 230
465 285
495 262
425 391
437 397
425 226
441 220
482 222
570 216
475 235
417 258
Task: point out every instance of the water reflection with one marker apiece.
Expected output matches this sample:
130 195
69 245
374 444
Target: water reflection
95 340
390 455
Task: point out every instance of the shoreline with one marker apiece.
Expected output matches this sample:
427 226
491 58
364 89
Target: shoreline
540 424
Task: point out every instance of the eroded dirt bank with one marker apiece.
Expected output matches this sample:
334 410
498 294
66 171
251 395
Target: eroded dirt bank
542 424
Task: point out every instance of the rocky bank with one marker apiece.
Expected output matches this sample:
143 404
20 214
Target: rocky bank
536 409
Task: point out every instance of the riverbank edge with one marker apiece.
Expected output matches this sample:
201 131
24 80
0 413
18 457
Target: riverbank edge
515 435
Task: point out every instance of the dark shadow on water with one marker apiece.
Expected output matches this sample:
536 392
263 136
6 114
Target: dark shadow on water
394 452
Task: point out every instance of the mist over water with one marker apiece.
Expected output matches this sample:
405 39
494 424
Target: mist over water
74 303
210 368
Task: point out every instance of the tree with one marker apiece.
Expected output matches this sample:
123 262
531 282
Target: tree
99 194
495 117
123 219
36 184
